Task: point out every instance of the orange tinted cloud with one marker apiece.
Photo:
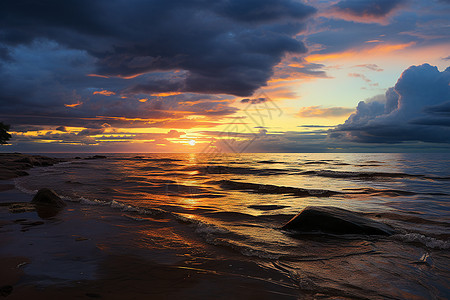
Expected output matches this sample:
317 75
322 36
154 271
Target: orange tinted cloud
166 94
104 93
365 11
97 75
376 50
74 104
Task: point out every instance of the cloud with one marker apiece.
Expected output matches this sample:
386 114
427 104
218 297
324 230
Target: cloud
294 68
45 83
415 109
254 101
372 67
61 128
91 131
363 77
365 11
80 63
322 112
226 46
331 34
104 93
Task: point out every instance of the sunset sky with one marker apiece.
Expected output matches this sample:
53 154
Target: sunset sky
225 75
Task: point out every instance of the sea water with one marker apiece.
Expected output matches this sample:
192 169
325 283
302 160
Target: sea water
222 214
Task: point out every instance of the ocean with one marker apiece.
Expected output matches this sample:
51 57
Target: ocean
221 215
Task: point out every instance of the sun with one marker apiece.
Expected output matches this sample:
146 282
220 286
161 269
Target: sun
192 142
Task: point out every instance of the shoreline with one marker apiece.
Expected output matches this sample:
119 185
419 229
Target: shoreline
28 239
13 165
96 250
64 256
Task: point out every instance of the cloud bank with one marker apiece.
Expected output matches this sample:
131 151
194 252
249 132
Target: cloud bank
417 108
365 11
222 46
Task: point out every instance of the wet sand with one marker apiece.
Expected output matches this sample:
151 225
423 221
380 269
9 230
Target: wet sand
61 258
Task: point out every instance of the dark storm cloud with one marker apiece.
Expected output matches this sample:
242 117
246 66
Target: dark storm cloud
224 46
416 109
368 8
45 83
263 10
442 110
80 63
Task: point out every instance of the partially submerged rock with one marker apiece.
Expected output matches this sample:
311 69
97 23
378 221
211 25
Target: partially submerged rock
48 203
13 164
328 219
48 197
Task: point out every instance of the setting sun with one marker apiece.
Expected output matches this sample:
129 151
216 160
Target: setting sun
192 142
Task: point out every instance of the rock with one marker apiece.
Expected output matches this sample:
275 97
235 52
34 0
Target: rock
6 290
28 160
328 219
48 197
13 164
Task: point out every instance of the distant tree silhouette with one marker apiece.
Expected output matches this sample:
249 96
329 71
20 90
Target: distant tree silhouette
4 135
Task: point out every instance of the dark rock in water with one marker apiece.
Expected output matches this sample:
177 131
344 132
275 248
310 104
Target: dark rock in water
6 290
27 159
48 197
328 219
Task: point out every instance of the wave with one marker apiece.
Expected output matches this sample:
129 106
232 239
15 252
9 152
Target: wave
429 242
162 159
242 248
268 162
149 168
220 169
302 192
369 175
407 218
388 192
274 189
379 192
